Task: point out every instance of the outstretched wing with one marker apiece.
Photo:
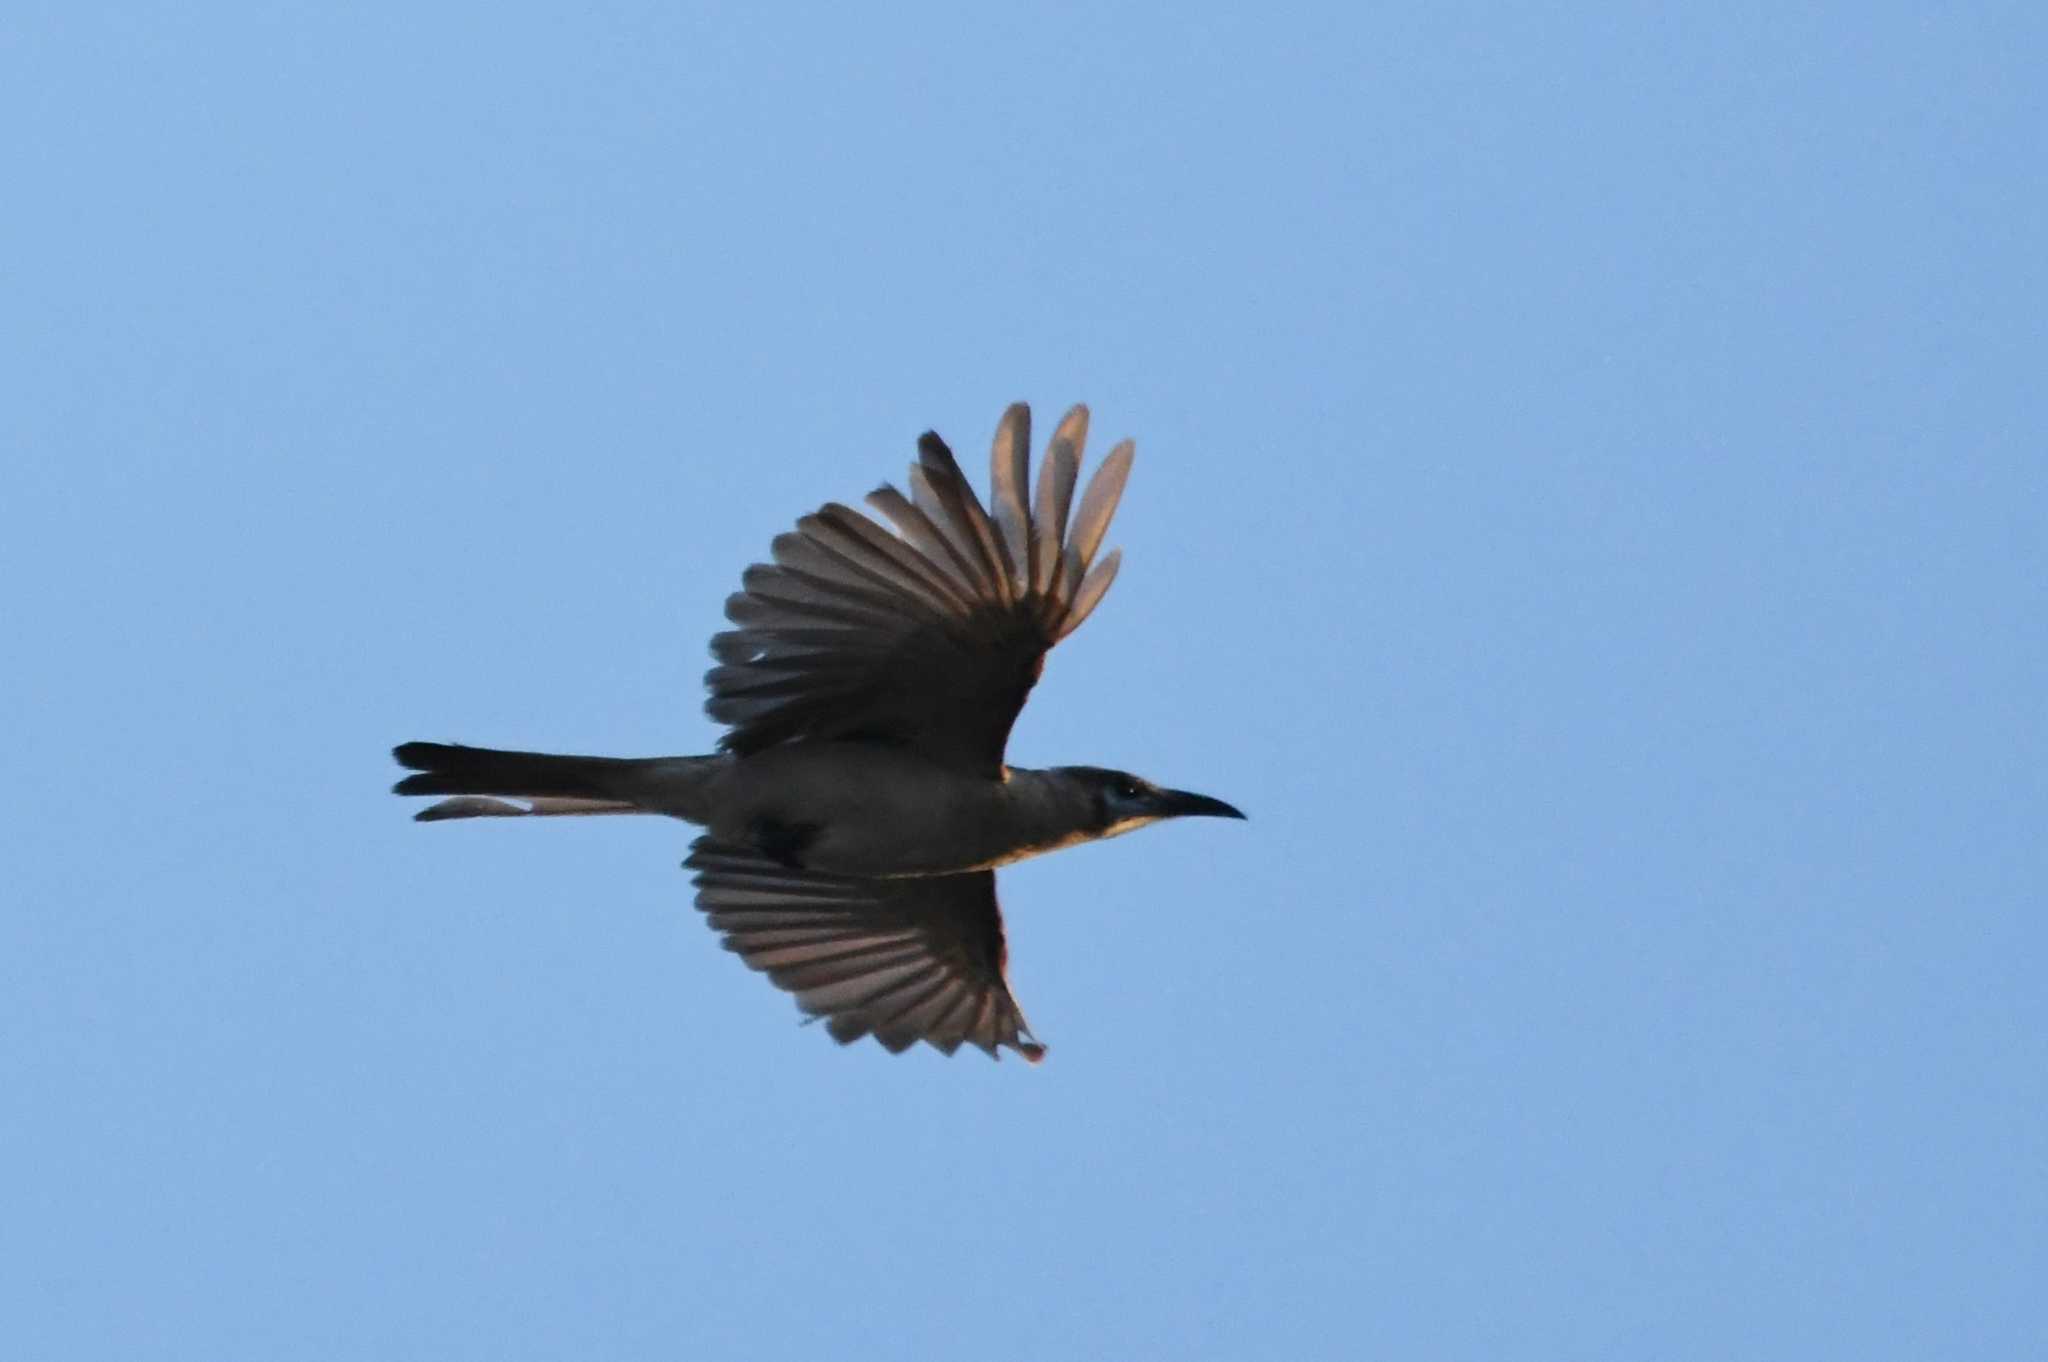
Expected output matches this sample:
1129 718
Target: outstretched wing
902 960
930 637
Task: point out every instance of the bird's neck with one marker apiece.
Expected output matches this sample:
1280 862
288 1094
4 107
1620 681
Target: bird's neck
1044 811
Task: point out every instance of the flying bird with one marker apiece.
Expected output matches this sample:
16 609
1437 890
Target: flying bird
859 802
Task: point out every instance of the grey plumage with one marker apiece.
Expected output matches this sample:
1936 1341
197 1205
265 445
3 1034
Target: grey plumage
860 800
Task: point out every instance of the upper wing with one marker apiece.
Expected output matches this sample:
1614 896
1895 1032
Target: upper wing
903 960
932 636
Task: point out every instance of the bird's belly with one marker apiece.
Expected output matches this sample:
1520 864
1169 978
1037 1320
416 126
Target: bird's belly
856 809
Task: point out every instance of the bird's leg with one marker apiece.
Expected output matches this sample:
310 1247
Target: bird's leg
782 842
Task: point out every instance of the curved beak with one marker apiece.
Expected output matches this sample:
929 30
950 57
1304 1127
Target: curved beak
1181 804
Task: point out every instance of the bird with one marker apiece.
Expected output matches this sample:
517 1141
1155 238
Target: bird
859 802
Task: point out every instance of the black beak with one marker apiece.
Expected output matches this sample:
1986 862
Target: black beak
1181 804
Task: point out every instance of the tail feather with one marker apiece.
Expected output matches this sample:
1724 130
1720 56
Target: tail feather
483 806
546 784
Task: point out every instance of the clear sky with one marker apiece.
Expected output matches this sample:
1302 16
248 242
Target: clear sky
1590 511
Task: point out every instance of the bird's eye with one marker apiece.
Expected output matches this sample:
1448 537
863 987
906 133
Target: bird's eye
1127 789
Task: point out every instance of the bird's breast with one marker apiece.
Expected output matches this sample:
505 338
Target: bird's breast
865 809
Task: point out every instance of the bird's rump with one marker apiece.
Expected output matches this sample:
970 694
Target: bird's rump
930 637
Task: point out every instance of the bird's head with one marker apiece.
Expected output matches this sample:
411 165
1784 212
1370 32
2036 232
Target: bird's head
1123 801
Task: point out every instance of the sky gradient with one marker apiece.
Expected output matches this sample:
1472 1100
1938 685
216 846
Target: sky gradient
1589 510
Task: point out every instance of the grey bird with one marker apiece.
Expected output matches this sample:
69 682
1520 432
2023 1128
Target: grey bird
859 804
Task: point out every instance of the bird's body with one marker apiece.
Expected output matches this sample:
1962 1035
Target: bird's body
848 808
866 809
861 800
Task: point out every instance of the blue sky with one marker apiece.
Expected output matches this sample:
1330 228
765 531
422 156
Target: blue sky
1589 511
